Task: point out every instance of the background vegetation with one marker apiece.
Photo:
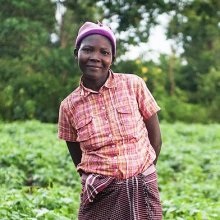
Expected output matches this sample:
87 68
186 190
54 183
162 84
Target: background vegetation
37 68
38 180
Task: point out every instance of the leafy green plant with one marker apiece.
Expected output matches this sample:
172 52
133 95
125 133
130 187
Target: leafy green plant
38 180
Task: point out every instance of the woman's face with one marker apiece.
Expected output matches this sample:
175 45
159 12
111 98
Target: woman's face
95 57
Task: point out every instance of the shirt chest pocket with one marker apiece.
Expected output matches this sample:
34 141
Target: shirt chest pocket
85 129
127 120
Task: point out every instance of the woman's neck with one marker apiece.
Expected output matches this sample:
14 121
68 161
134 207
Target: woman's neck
93 83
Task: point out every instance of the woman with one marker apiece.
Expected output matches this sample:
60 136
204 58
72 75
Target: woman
111 128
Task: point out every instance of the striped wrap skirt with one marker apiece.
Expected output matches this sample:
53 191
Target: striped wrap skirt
106 198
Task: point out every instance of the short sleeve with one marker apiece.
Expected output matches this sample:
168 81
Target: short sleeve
65 129
147 104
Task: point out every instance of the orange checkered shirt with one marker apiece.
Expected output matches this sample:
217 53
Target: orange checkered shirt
109 125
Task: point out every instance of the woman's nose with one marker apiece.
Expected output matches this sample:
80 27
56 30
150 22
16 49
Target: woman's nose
95 56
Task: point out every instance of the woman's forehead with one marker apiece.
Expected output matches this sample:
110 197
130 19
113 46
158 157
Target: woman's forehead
96 39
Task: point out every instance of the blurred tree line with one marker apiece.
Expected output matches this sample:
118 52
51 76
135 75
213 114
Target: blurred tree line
37 67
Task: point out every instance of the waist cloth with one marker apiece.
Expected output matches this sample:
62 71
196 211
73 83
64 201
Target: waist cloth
108 198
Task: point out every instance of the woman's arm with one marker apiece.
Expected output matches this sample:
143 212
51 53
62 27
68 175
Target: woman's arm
75 152
154 134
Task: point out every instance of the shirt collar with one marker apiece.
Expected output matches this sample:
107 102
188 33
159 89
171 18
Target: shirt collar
110 83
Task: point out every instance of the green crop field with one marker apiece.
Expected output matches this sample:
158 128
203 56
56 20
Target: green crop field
38 180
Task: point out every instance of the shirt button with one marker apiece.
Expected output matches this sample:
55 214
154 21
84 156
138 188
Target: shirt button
115 158
110 135
103 107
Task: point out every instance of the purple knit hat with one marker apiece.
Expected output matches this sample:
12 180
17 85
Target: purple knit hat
90 28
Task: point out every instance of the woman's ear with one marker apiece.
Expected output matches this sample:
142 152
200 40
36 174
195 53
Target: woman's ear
75 53
113 59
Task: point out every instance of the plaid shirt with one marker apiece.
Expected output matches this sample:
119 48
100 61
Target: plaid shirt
109 125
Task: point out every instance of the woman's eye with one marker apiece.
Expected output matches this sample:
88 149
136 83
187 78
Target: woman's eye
86 49
105 52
